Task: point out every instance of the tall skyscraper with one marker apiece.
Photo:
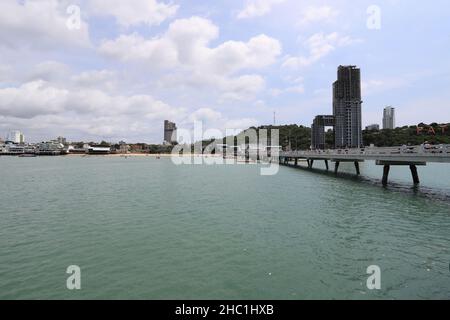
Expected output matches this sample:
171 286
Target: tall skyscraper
170 132
347 108
389 118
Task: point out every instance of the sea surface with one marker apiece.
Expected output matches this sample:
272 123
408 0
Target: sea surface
144 228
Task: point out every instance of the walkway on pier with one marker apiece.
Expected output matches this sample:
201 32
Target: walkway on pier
387 157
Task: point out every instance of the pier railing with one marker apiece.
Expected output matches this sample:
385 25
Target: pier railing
439 153
411 156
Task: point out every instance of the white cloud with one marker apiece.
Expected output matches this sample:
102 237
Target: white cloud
136 48
241 124
205 115
38 24
80 107
41 97
317 14
233 56
104 79
213 119
185 44
32 99
49 70
257 8
319 45
240 88
184 53
136 12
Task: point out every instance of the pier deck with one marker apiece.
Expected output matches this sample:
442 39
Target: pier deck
387 157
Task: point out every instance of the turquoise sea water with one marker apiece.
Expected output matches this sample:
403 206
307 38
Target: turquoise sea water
142 228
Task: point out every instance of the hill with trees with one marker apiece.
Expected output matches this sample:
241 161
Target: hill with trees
299 137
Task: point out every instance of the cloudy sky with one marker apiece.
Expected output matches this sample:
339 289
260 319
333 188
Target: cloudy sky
125 66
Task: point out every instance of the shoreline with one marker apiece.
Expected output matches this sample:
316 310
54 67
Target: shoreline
151 155
140 155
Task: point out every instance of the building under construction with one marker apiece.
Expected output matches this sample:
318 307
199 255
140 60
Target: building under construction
347 118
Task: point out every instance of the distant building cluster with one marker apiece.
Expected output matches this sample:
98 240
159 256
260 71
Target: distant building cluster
15 145
15 136
346 120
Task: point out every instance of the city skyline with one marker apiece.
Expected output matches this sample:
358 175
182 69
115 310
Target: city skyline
121 74
170 129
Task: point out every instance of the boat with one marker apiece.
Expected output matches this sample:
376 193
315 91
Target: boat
27 155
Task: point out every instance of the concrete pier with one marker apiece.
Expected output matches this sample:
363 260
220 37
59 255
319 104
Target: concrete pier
414 173
386 157
338 161
386 170
358 172
336 167
412 166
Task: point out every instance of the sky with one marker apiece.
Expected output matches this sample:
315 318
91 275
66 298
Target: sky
92 70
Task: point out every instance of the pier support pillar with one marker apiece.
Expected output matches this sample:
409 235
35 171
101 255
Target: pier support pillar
326 165
336 167
412 166
414 173
312 162
386 170
296 162
309 163
358 171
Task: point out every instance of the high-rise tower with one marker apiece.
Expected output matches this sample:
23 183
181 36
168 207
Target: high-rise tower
170 132
389 118
347 108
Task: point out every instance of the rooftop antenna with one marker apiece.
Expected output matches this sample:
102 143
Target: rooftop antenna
274 118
